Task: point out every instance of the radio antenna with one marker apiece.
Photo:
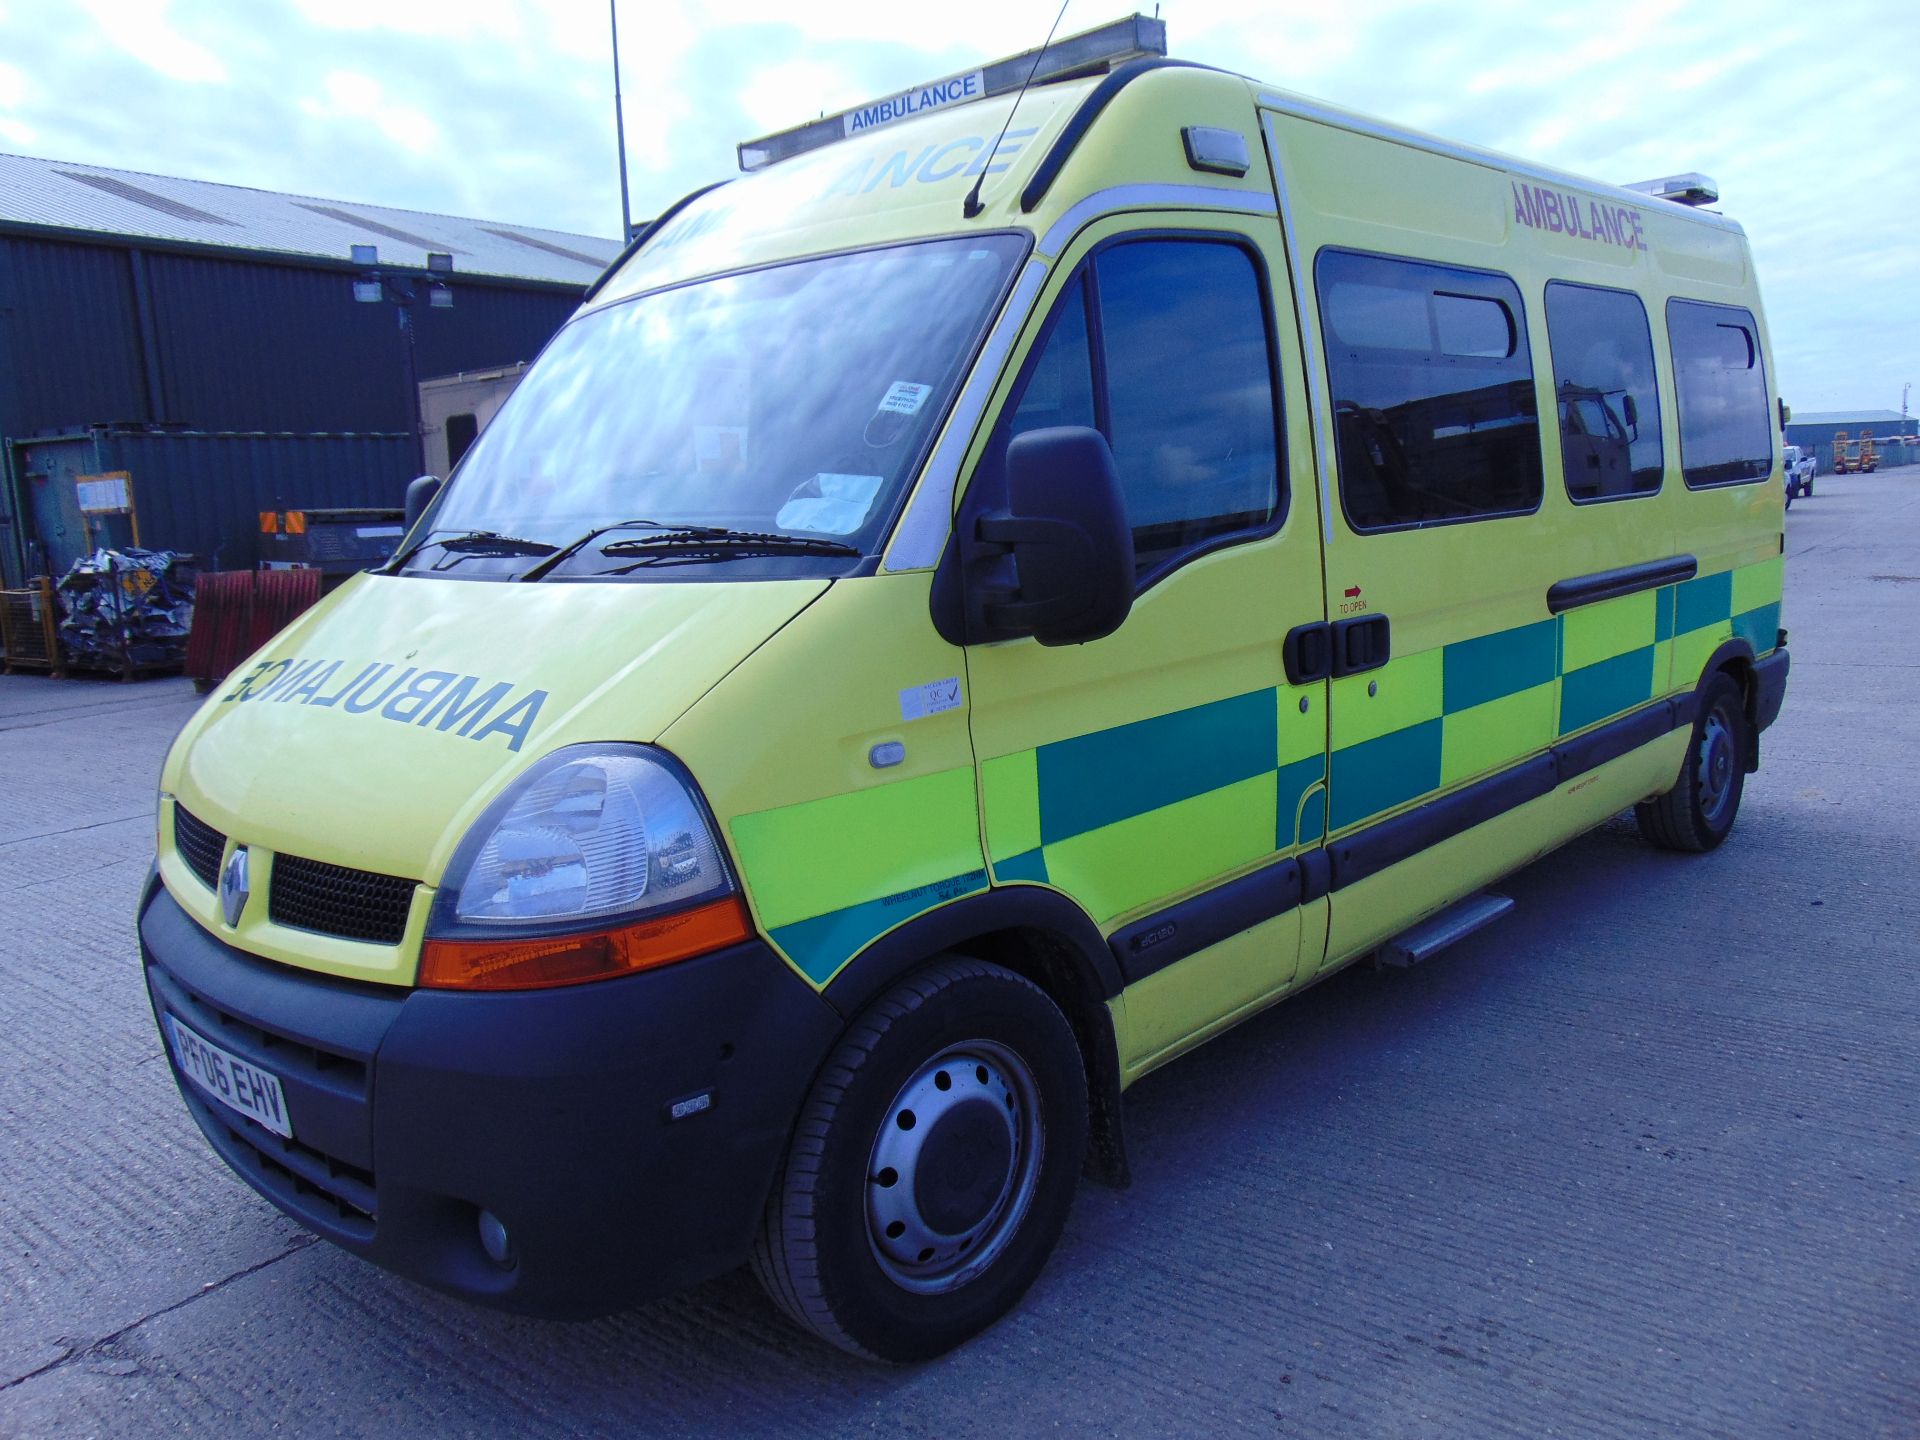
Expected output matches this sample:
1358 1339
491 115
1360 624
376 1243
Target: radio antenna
972 206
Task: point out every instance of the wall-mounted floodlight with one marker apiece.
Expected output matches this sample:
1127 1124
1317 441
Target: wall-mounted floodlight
366 254
369 292
439 297
439 262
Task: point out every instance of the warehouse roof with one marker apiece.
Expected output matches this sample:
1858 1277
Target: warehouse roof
127 203
1845 417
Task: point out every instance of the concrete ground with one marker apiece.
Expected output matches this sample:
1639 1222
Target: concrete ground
1641 1160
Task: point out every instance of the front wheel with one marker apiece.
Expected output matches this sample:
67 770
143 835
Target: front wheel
933 1165
1698 812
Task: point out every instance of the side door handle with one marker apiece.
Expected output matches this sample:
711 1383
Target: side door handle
1322 651
1308 653
1360 643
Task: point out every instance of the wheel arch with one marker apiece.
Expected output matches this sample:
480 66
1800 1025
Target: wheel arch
1735 659
1037 933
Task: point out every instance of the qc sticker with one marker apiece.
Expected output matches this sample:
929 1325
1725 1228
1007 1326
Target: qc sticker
904 397
919 701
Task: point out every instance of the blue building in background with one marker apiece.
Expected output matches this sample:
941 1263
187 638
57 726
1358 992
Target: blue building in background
148 303
1816 430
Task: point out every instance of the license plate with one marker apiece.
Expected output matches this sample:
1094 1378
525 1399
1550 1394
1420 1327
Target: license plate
225 1077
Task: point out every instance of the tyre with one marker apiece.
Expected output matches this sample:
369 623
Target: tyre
1698 812
1806 487
933 1165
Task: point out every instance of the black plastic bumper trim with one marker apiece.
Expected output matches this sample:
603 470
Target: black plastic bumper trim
1769 687
1152 944
1577 756
549 1108
1372 850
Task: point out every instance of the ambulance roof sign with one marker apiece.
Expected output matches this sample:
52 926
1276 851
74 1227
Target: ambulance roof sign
1086 53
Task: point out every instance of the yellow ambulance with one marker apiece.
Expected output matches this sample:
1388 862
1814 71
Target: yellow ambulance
1018 581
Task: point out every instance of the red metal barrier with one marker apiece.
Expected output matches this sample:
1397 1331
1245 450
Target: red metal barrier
235 612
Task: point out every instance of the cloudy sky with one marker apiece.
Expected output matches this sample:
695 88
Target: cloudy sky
1807 114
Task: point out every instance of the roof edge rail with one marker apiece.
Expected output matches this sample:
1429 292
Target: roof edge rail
651 229
1097 100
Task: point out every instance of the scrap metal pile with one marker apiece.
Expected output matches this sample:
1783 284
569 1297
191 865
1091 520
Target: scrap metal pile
126 610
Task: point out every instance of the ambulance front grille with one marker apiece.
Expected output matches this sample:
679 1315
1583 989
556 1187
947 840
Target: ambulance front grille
199 844
334 900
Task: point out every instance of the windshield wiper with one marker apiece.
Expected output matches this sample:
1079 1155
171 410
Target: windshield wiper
474 542
712 543
573 547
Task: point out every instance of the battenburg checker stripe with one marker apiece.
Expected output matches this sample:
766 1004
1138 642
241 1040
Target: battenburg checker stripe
1124 817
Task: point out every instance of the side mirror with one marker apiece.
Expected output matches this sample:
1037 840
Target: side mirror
1065 528
420 492
1786 413
1630 411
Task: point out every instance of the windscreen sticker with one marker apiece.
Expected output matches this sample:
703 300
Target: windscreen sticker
830 504
919 701
904 398
719 449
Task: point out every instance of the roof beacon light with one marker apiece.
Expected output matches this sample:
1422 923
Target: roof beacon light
1088 53
1692 188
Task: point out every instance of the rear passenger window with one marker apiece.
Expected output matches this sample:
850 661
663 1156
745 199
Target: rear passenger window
1726 433
1433 391
1603 383
1162 345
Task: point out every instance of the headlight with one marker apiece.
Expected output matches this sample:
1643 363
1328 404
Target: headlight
606 854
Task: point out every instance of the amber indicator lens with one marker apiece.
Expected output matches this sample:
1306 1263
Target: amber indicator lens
576 959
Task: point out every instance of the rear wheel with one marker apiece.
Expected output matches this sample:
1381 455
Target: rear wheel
1699 811
933 1166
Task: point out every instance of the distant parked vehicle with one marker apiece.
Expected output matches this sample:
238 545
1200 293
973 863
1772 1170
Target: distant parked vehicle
1799 464
1855 456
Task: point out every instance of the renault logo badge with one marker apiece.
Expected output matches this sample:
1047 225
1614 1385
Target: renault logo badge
233 885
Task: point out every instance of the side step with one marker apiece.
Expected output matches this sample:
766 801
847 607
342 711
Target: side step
1436 932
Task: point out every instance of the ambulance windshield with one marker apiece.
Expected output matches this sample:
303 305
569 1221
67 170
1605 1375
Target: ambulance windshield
796 400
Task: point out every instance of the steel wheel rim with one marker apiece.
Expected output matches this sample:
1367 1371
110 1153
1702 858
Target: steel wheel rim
1716 767
954 1167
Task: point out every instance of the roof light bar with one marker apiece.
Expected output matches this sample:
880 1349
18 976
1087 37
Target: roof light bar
1692 188
1089 52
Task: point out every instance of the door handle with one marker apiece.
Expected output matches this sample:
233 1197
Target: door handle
1319 651
1360 643
1308 653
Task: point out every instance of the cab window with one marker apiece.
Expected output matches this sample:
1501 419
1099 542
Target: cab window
1162 345
1432 384
1725 427
1603 384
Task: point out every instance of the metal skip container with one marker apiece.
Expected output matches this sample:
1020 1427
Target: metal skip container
200 493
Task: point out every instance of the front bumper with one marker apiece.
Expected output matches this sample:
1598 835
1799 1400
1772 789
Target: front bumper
412 1111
